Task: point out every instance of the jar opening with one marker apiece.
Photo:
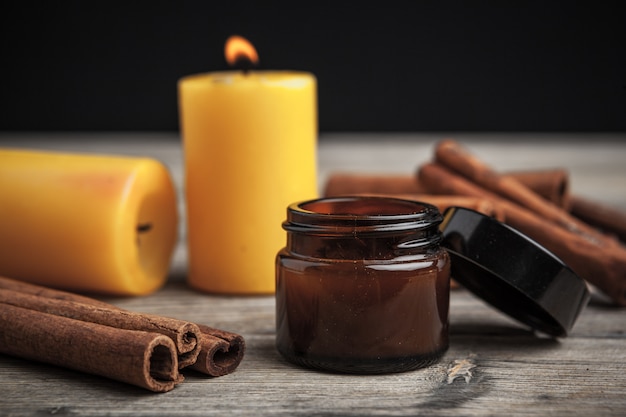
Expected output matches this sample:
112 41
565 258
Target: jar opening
359 206
360 214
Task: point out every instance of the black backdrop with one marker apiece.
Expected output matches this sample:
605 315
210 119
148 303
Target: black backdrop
383 66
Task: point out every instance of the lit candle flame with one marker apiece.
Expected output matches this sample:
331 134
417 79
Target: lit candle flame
239 50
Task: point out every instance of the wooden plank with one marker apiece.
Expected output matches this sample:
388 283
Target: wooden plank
494 366
498 364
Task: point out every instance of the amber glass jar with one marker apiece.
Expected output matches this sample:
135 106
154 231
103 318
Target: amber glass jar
362 285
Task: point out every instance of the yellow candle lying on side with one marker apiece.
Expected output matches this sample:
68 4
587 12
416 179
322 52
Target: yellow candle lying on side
250 143
89 223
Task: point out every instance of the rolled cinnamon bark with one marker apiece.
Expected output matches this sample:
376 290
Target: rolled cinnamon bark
184 334
34 289
221 352
606 218
599 262
456 158
140 358
551 184
212 356
442 202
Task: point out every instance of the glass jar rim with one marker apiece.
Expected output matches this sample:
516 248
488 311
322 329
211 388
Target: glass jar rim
353 214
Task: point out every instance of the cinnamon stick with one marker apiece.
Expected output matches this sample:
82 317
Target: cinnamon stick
551 184
221 352
608 219
140 358
28 288
599 261
452 155
211 356
442 202
185 335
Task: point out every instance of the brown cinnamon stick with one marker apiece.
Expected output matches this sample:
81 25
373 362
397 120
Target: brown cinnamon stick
551 184
600 262
442 202
216 359
184 334
28 288
452 155
140 358
221 352
608 219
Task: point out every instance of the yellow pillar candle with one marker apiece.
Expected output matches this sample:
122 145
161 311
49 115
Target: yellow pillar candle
250 141
89 223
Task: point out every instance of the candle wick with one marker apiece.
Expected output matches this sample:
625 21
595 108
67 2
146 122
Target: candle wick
244 64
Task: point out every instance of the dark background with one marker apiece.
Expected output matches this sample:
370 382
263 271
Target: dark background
384 66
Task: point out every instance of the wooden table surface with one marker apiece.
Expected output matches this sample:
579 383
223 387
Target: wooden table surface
494 366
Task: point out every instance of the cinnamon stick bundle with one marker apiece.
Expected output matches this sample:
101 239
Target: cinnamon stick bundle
212 351
581 232
139 358
551 184
597 259
185 335
452 155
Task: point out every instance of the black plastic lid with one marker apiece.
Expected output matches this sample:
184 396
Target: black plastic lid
512 272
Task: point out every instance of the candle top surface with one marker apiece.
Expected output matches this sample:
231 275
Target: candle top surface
284 78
